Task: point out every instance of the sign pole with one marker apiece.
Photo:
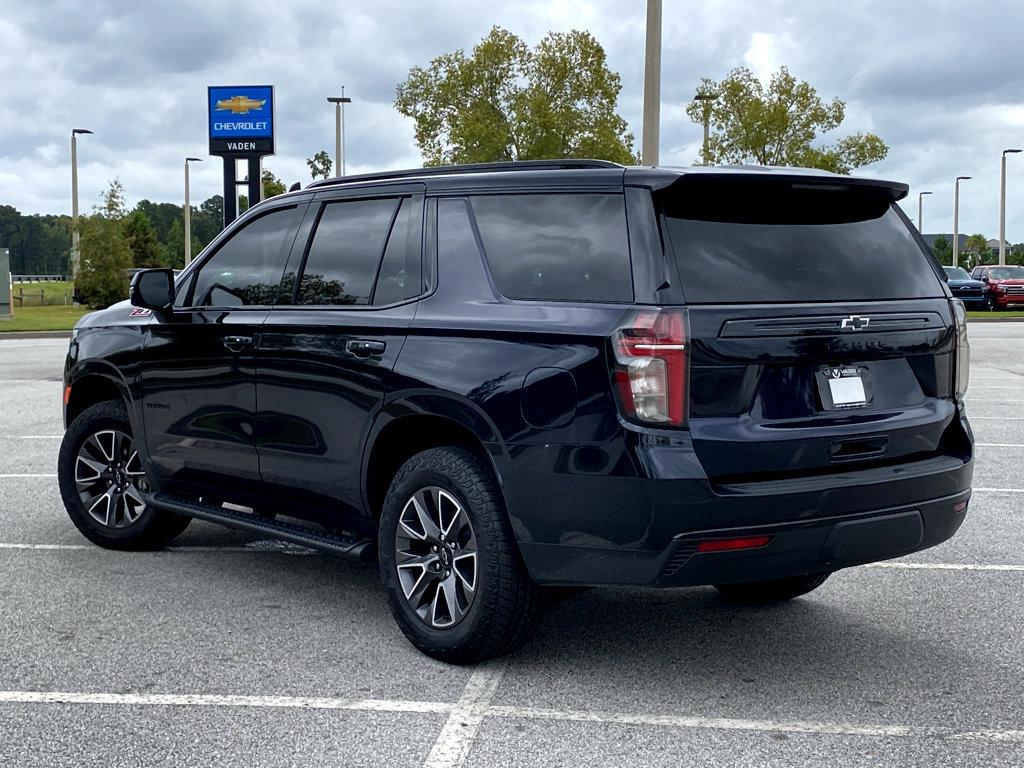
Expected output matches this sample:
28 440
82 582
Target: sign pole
230 191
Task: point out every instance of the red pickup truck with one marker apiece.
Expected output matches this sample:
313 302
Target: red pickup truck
1005 285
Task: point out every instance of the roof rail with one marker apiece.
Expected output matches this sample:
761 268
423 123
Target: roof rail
468 168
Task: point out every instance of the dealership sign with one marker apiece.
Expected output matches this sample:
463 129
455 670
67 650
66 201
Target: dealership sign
241 119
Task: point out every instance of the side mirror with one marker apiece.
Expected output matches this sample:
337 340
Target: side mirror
985 278
154 290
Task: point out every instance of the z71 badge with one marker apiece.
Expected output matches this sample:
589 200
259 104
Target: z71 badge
140 312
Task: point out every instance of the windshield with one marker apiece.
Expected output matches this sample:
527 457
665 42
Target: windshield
1007 273
956 273
772 242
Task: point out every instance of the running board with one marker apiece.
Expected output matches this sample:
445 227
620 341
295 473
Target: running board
335 544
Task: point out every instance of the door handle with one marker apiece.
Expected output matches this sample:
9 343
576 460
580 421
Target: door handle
237 343
364 348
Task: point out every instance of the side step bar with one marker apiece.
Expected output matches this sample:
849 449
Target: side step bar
347 547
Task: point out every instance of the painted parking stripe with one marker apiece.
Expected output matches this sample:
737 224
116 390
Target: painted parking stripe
755 725
1000 445
512 711
28 475
224 700
261 546
460 729
997 491
946 566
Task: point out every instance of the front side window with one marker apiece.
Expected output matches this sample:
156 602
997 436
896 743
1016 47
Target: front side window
246 270
346 251
569 247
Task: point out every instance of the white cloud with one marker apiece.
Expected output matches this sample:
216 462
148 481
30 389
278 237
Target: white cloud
136 72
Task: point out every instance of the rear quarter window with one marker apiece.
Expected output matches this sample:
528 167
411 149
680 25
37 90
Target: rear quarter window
555 246
745 242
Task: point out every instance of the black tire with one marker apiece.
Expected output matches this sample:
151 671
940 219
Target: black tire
772 590
506 604
151 529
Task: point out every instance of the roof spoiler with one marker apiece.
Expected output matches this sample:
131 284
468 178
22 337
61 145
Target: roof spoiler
812 180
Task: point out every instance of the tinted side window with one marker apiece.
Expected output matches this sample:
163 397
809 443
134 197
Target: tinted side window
401 271
556 246
346 251
247 269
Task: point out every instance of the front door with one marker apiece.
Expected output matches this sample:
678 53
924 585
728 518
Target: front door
199 368
325 357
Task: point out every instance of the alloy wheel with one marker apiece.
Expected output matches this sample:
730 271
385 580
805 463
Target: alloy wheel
110 479
436 557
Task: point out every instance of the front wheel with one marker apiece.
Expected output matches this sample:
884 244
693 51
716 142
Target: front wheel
103 483
772 590
449 563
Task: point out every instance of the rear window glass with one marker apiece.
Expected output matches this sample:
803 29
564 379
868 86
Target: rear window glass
556 246
784 243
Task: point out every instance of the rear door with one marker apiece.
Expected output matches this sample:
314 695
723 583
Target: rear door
820 328
326 351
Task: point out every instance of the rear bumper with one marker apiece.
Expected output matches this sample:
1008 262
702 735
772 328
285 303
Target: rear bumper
797 547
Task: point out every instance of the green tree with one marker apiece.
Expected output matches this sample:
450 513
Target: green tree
942 249
142 240
174 248
777 124
272 185
504 101
320 165
106 255
975 248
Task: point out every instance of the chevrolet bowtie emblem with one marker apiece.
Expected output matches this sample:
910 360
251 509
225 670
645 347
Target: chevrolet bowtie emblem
854 323
240 105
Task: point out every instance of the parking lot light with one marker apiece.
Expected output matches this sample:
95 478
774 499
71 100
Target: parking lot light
188 213
74 198
1002 205
920 210
339 103
956 219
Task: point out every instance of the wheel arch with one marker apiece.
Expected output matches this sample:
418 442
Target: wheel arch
415 424
91 384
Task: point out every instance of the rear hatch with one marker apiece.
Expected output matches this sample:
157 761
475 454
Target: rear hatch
820 333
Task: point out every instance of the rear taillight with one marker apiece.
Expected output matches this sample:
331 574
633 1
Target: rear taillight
962 373
650 366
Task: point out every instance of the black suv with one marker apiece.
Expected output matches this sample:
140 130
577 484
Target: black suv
497 379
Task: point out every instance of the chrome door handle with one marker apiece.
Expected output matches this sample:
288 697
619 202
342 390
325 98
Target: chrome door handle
237 343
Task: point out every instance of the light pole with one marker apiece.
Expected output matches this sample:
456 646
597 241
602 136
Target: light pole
188 213
706 98
956 219
920 210
339 103
74 199
652 86
1002 207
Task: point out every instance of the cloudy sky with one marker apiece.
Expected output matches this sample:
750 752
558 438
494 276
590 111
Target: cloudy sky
941 82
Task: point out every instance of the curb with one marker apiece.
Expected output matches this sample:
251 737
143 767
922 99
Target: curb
995 320
35 334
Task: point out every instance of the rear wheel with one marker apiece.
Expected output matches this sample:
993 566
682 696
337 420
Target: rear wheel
772 590
103 483
449 562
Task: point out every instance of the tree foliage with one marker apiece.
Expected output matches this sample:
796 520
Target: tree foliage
105 253
320 165
778 124
271 184
505 101
142 241
942 249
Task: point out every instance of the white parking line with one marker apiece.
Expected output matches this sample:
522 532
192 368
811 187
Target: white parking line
1000 445
28 475
998 491
946 566
30 437
456 737
226 700
482 692
973 418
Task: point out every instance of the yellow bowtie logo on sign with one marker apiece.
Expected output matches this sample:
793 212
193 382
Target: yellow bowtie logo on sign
239 105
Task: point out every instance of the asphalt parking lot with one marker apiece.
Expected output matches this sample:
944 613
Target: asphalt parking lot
227 651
